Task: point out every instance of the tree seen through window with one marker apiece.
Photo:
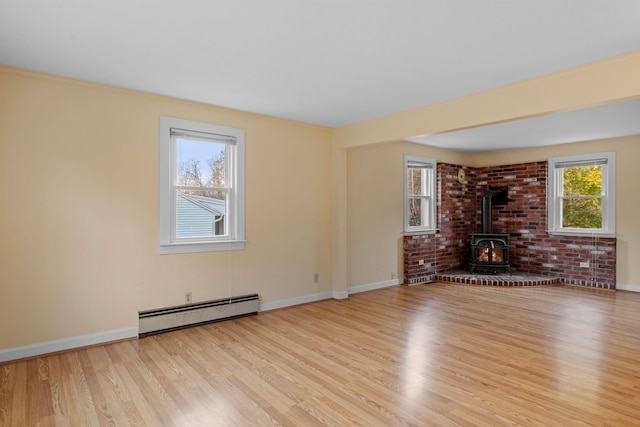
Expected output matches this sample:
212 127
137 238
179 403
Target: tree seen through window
582 197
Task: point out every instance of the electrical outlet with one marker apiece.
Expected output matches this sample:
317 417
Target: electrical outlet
393 274
187 297
316 277
584 264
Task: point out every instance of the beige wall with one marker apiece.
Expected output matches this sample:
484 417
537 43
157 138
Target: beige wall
79 217
375 215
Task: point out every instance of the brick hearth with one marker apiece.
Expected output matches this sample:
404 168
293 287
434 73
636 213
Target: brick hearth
522 279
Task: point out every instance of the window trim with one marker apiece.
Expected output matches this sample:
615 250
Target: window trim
236 232
432 165
554 203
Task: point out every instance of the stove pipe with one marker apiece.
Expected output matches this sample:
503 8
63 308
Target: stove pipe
486 210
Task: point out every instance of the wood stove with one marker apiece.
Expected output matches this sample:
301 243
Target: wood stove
489 251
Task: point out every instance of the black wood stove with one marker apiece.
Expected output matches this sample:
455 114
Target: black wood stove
489 251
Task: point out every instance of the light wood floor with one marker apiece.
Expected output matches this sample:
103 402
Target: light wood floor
428 355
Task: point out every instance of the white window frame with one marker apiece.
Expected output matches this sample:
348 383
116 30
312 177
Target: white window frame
554 193
430 166
234 240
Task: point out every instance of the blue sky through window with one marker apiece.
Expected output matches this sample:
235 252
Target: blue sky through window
189 149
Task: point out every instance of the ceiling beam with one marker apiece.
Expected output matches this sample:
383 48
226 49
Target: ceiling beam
603 82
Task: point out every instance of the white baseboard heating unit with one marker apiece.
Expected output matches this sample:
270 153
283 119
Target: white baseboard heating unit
181 316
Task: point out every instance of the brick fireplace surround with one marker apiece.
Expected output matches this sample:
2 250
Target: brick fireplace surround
524 218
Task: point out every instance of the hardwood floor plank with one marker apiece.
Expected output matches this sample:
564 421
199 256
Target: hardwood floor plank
12 394
40 405
60 403
70 406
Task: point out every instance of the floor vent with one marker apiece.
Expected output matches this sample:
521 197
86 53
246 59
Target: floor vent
182 316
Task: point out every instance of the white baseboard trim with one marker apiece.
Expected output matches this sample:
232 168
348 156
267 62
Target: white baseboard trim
632 288
327 295
341 294
296 301
66 344
373 286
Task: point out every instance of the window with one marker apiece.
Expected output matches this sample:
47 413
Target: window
581 194
419 194
201 187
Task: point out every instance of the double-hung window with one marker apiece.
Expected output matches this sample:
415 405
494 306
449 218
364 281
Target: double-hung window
581 194
419 194
201 187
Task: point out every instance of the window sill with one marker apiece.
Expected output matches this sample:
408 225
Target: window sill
581 233
186 248
419 232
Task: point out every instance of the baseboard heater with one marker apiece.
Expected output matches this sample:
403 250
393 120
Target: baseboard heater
182 316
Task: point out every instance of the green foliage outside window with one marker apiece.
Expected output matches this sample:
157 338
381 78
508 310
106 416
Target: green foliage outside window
582 197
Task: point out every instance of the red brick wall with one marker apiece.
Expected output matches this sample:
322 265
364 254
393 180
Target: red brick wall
420 262
455 217
532 249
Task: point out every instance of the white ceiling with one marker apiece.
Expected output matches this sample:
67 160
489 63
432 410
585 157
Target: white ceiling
324 62
605 121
